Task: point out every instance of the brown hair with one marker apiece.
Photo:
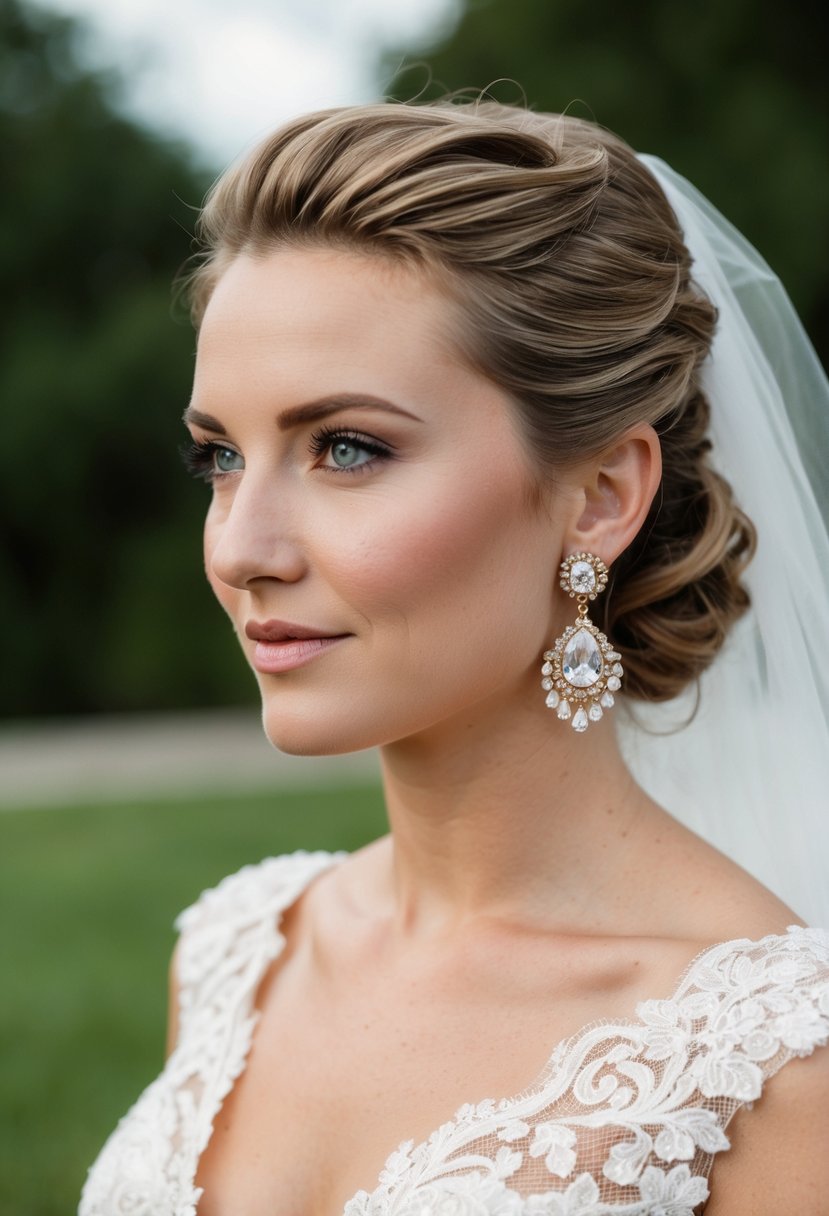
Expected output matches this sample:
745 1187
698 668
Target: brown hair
571 274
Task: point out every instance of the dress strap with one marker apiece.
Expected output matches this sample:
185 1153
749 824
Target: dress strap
231 933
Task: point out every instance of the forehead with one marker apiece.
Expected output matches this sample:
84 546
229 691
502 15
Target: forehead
327 316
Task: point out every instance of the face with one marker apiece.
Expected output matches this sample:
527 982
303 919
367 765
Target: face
370 534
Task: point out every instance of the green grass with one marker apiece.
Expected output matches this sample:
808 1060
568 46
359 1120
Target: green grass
87 900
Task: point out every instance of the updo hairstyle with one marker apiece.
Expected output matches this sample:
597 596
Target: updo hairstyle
574 292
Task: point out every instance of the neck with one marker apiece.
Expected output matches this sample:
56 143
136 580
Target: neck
508 812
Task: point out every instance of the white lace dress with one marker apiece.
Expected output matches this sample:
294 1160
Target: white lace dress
624 1120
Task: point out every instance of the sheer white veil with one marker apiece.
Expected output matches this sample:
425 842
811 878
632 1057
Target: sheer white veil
751 771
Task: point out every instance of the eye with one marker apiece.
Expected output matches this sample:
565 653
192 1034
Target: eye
226 460
346 451
211 461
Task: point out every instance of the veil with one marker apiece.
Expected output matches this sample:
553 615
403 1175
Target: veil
750 773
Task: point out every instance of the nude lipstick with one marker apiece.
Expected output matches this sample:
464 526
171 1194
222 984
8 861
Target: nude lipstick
282 645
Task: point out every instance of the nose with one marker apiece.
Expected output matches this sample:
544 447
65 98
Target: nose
253 536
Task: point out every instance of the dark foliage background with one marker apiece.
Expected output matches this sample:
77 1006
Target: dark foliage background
103 604
733 93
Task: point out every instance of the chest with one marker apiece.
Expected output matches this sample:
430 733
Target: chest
344 1068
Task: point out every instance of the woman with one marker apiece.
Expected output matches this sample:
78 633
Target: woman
448 394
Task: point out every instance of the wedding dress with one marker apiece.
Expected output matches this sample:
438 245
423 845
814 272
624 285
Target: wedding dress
625 1119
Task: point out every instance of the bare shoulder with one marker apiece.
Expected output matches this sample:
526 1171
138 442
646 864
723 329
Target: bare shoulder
778 1160
705 896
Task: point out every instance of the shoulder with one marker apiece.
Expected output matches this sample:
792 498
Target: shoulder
254 890
763 1056
778 1159
234 927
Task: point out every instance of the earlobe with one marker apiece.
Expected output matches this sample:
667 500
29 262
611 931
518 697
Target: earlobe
616 492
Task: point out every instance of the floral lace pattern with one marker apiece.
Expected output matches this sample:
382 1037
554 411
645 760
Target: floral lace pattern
624 1121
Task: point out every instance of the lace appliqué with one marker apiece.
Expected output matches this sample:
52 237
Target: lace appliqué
627 1116
229 937
624 1121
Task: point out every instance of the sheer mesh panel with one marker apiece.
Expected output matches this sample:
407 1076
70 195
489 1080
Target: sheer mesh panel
625 1120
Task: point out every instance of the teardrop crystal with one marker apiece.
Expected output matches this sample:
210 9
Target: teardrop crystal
614 683
547 669
582 660
608 700
546 682
595 712
579 722
552 699
564 710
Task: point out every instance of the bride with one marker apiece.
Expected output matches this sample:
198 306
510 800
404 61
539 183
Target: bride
454 395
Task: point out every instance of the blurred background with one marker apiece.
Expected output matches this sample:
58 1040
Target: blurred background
133 772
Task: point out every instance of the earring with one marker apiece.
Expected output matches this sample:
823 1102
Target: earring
582 671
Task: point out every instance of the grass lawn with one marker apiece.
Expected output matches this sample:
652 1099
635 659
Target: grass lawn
87 900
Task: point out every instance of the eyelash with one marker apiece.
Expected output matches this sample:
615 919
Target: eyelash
198 459
198 454
327 436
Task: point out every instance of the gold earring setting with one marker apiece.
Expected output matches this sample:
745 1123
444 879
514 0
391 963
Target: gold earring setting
582 671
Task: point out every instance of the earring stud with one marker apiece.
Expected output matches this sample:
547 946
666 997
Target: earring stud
582 671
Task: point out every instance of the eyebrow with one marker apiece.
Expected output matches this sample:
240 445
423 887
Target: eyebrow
310 411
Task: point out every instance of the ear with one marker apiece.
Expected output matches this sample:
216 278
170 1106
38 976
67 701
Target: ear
614 494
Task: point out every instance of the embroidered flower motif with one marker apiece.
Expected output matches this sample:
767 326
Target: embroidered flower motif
462 1195
802 1028
729 1075
555 1143
666 1032
674 1194
760 1045
580 1199
688 1130
627 1159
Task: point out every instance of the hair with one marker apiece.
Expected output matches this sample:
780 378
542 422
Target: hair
575 295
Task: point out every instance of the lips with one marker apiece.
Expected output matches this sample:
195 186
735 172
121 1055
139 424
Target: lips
284 631
282 645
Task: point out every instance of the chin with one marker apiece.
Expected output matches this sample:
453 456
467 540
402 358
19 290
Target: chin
317 734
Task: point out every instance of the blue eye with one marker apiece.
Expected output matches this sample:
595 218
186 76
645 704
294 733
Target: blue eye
226 460
210 461
346 454
346 451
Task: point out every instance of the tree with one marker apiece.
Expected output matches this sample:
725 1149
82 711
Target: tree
731 92
104 604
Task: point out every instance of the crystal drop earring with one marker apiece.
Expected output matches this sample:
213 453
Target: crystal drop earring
582 671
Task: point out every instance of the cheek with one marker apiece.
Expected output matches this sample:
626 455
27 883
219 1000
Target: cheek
457 567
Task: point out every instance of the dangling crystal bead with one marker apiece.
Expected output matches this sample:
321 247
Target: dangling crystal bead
608 700
564 710
595 712
547 669
614 683
579 722
552 699
617 669
582 660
